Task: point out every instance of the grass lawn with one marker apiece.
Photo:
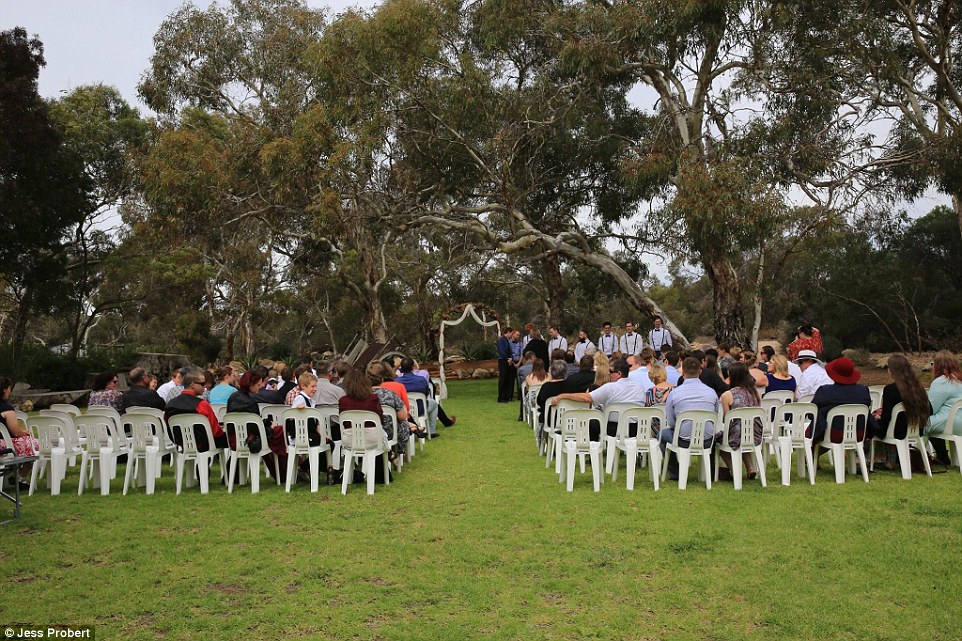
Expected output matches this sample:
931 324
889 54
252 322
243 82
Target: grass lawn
477 540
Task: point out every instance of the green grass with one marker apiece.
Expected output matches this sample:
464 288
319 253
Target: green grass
477 540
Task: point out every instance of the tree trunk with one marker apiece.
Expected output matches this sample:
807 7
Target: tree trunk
957 206
21 318
424 316
759 282
726 301
554 292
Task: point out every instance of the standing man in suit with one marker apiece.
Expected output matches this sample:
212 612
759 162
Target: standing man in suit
506 371
631 341
659 339
557 340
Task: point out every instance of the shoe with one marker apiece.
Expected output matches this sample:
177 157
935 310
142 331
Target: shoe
454 419
725 474
24 487
436 435
752 475
334 477
303 476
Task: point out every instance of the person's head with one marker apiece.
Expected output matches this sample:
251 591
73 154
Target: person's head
647 356
194 380
152 381
946 364
657 373
601 361
279 366
582 334
535 333
528 356
843 371
507 332
618 369
516 335
805 331
388 371
740 376
747 356
697 353
602 376
780 364
672 358
178 376
528 329
806 358
288 374
768 351
557 355
138 377
724 348
375 374
105 381
6 386
307 382
629 327
570 356
341 369
914 397
407 365
225 375
559 370
711 363
537 369
606 328
587 363
553 332
634 362
308 360
250 382
691 367
657 322
711 351
356 384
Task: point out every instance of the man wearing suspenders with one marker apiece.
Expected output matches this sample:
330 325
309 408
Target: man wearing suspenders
607 342
557 341
631 341
659 338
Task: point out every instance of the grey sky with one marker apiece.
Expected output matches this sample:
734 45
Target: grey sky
102 41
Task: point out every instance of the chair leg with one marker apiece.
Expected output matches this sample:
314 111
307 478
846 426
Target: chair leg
810 462
312 458
277 467
611 456
684 461
920 444
291 461
838 461
655 465
664 464
905 461
594 451
871 455
736 468
254 472
202 464
232 472
369 462
151 462
131 464
84 462
570 456
348 475
706 467
785 455
106 468
180 471
861 459
760 462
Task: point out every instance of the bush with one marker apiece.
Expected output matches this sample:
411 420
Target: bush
479 351
44 369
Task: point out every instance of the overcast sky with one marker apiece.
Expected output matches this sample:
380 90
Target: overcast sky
106 41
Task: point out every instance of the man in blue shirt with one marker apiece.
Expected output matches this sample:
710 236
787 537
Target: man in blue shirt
506 373
693 395
420 385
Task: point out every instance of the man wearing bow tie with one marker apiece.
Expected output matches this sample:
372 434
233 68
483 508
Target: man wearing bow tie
659 339
557 340
631 342
607 342
583 345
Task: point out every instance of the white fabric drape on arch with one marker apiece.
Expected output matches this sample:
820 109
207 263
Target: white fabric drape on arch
468 309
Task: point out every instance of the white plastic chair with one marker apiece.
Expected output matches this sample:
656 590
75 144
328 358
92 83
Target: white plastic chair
610 443
553 430
48 430
700 420
118 431
791 422
643 443
329 412
71 440
849 414
359 443
746 442
769 408
531 410
875 392
391 414
189 452
903 445
73 410
782 395
301 445
953 442
575 434
143 462
419 414
243 424
219 410
165 442
806 399
102 448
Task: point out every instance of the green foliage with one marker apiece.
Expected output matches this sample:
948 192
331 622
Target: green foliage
44 369
478 351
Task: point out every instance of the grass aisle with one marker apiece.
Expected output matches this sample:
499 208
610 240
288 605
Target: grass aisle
476 540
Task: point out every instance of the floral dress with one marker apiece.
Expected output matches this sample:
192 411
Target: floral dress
25 445
392 400
741 397
107 398
656 396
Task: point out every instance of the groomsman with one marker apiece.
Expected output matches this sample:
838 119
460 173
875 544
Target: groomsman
659 339
607 342
631 341
583 345
557 340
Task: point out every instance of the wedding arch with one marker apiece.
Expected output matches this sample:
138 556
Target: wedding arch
467 309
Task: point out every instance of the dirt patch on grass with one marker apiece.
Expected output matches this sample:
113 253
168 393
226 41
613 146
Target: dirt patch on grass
229 588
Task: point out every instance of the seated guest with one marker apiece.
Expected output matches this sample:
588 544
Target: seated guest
742 392
380 375
22 442
173 387
538 373
813 376
289 378
105 392
672 362
693 395
765 355
905 388
139 393
845 390
573 367
602 369
778 377
637 370
226 378
243 400
358 395
657 394
708 373
559 372
265 395
297 389
747 357
724 358
340 368
945 390
584 379
414 383
621 389
524 370
189 401
327 392
807 337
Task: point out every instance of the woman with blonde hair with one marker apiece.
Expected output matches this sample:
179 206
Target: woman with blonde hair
778 377
602 368
945 390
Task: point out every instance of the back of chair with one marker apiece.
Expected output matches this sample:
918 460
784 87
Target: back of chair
219 410
746 417
68 431
876 396
782 395
142 428
954 411
47 429
564 406
5 435
155 419
702 422
806 399
109 412
616 409
391 414
850 415
575 425
273 412
357 422
770 409
73 410
419 406
243 424
186 423
98 430
913 429
301 417
644 417
791 419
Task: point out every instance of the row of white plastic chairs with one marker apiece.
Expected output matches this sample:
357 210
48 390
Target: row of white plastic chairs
565 434
101 435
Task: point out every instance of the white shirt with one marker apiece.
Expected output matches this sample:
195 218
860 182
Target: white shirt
793 370
557 343
581 348
632 343
302 400
658 338
640 375
813 378
166 389
608 343
623 390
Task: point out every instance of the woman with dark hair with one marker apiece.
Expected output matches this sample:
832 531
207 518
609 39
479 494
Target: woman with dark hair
23 444
905 388
381 377
226 379
538 374
742 393
244 400
945 390
358 395
105 392
806 337
748 357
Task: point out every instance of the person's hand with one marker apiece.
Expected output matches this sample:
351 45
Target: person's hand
554 400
